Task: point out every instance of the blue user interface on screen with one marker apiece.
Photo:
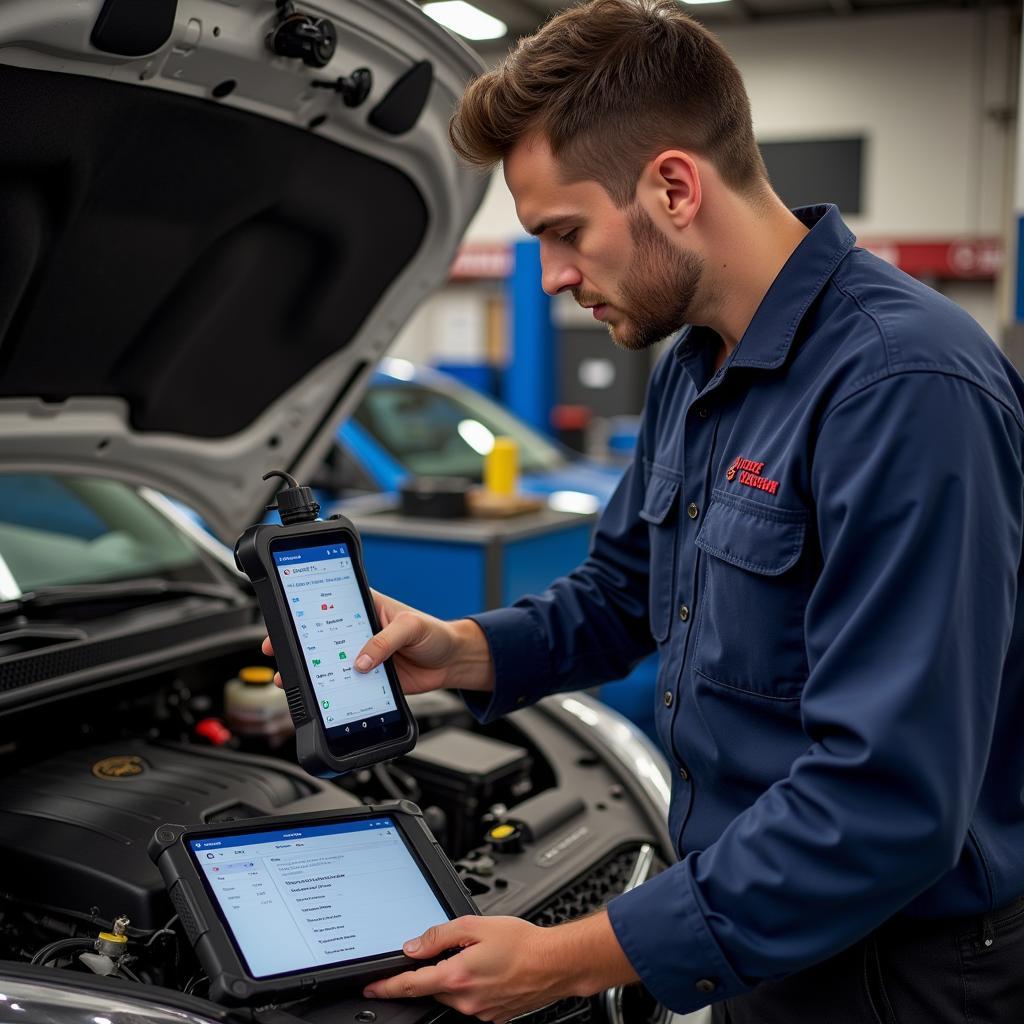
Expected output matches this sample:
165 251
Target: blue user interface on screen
303 898
332 624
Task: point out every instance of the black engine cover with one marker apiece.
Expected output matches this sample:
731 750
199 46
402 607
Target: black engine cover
74 828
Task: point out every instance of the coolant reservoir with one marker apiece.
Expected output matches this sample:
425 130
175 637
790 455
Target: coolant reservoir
255 708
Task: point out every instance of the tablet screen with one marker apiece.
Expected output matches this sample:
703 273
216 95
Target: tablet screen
319 895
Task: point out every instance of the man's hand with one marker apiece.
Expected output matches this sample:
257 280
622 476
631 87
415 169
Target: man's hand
429 654
507 967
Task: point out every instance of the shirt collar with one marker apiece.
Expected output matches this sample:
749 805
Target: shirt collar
768 337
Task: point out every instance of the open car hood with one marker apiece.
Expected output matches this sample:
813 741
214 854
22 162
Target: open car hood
203 253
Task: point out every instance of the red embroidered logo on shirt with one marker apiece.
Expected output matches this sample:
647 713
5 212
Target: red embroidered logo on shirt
750 474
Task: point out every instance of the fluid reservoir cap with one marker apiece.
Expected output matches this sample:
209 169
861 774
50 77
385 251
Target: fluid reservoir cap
110 944
506 838
256 675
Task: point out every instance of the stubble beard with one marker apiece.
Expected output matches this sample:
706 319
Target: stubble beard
658 291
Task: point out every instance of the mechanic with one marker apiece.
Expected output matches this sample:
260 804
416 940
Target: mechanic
821 534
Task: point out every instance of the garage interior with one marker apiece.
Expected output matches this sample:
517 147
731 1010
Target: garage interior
225 255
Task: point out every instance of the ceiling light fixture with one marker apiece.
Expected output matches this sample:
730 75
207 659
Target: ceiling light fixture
469 21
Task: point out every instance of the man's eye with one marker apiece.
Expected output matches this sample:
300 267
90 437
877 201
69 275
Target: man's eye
569 237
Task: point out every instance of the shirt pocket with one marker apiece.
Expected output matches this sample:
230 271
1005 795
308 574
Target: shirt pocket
750 624
659 511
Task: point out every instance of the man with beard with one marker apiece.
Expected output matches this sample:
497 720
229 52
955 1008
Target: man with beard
821 533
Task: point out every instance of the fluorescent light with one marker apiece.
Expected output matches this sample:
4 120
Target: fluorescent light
469 21
477 436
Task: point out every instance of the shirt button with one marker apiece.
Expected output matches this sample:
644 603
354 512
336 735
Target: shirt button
703 413
706 985
684 774
684 612
667 698
692 511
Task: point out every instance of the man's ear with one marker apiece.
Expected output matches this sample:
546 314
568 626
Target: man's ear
670 188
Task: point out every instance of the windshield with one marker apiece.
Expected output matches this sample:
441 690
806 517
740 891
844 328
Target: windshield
440 433
66 530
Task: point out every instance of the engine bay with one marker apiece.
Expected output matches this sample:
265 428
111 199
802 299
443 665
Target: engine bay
539 819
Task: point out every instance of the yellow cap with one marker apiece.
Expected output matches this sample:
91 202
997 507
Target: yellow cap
256 674
111 937
502 831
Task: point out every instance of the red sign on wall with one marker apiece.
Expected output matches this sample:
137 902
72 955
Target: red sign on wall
478 262
977 259
972 259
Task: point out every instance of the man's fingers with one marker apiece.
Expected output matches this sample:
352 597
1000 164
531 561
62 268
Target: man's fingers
278 681
427 981
268 649
387 607
441 937
423 982
497 1014
405 630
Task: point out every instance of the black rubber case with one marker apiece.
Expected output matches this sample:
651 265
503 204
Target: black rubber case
230 982
253 557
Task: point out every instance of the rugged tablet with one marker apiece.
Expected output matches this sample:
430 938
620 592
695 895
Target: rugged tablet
312 590
277 907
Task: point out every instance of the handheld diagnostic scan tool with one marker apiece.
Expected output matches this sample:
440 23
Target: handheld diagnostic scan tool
282 906
311 587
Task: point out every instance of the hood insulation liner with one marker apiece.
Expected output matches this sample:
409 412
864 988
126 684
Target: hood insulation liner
191 258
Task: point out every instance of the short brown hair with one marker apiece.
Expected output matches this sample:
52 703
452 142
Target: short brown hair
611 83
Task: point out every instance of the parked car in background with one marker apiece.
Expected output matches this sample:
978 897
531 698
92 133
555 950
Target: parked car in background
416 421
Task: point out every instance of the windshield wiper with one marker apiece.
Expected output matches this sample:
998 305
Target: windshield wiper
140 591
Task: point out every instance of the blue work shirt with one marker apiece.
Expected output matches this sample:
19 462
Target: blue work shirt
823 539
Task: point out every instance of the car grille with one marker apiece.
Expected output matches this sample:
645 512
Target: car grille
590 892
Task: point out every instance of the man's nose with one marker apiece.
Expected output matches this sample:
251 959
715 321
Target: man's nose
558 275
